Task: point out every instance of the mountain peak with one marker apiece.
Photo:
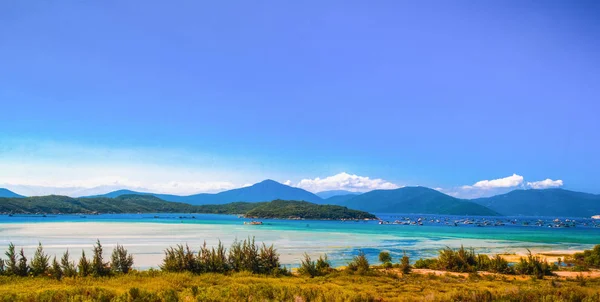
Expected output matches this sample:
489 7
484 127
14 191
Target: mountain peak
8 193
269 182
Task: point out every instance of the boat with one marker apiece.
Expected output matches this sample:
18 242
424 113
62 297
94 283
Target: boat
596 217
253 222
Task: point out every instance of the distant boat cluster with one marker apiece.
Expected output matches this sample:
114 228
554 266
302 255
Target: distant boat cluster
494 222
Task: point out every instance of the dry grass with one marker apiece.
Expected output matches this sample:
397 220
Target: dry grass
161 286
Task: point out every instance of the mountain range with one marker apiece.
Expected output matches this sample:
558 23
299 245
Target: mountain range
332 193
8 193
420 200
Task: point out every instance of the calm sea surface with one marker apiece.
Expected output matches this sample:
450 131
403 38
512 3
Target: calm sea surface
147 235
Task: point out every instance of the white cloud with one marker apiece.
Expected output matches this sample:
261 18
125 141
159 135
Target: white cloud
287 182
108 184
345 181
486 188
546 183
506 182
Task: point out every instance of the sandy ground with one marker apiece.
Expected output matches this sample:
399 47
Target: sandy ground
551 256
560 274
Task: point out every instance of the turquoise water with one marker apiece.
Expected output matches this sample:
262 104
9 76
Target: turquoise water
147 235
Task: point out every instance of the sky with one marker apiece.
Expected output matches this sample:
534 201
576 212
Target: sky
469 97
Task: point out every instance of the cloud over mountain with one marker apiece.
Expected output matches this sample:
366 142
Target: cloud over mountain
506 182
345 181
546 183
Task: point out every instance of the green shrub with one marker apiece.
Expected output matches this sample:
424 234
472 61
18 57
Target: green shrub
67 266
268 260
99 268
385 257
179 259
84 267
56 270
587 259
359 264
429 263
405 264
533 266
121 261
11 262
499 265
461 260
40 262
22 268
323 265
308 267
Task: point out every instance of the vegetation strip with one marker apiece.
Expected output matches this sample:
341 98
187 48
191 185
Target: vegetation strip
284 209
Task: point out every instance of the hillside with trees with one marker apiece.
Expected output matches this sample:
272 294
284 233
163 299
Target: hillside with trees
284 209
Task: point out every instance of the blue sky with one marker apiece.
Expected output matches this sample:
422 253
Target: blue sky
212 95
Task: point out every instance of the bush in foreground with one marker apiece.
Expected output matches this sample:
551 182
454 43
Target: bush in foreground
359 264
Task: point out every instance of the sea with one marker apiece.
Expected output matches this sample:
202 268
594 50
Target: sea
147 236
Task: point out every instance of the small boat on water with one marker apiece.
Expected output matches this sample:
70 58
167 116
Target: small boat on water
253 222
596 217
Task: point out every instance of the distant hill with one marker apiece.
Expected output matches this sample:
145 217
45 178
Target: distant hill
266 190
55 204
418 200
305 210
166 197
546 202
328 194
339 199
8 193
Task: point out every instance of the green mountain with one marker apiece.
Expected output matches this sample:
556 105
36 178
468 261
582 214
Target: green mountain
339 199
332 193
266 190
546 202
417 200
8 193
307 210
55 204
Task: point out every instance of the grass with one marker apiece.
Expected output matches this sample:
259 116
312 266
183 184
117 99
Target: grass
337 286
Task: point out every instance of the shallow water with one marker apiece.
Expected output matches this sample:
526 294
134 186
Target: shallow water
147 235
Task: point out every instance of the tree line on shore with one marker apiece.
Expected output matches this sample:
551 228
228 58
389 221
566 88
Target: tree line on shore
247 256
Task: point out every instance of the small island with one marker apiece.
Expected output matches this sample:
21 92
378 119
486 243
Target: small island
279 209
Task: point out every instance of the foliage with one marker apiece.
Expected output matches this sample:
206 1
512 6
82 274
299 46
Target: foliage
586 259
165 286
496 264
179 259
151 204
359 264
67 266
40 262
99 267
533 266
304 209
405 264
56 270
308 267
11 262
323 265
242 256
384 257
22 267
311 268
429 263
84 267
461 260
121 261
